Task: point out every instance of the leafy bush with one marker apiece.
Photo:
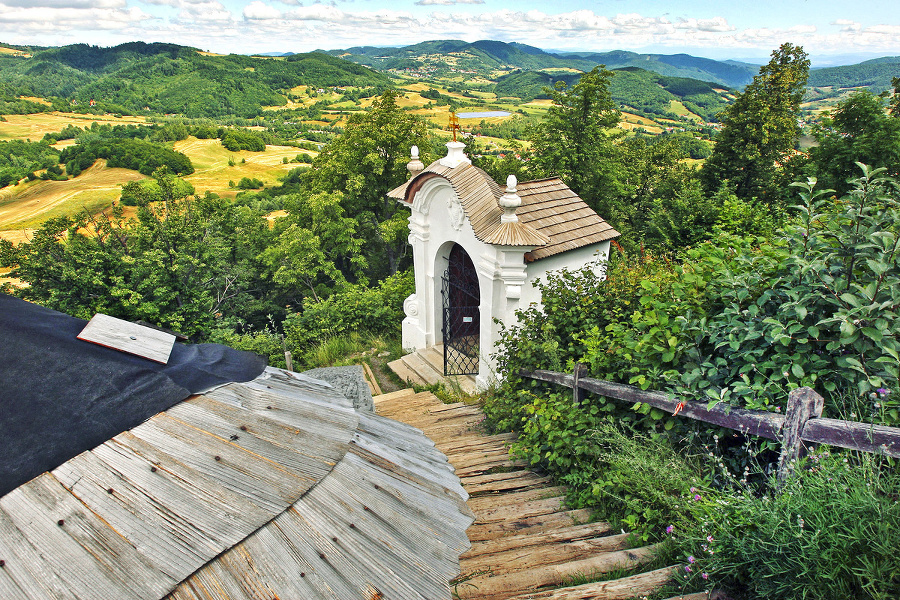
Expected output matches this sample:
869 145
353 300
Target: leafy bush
242 139
250 183
375 309
742 321
830 535
139 155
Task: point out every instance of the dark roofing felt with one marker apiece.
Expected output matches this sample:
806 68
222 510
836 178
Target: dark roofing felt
60 396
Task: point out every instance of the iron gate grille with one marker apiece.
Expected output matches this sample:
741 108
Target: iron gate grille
461 324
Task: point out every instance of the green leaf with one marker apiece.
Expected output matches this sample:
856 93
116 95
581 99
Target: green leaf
873 334
797 370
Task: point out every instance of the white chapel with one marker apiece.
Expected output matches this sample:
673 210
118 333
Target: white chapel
478 249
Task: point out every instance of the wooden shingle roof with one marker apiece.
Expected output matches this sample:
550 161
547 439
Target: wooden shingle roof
552 218
274 488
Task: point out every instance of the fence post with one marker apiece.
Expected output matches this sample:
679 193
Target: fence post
578 393
803 404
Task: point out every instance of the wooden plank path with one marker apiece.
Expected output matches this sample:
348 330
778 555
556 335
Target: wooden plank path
525 542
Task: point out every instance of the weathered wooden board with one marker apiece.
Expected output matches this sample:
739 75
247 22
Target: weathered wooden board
522 541
502 586
492 501
129 337
534 524
533 508
24 566
626 588
549 553
258 479
81 550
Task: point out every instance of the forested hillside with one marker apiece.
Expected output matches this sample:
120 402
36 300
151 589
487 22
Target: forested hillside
139 78
875 74
631 87
485 56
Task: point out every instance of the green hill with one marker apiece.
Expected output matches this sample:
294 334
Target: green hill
631 88
166 78
875 74
487 55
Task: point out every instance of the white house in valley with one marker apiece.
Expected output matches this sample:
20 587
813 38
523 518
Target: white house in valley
478 249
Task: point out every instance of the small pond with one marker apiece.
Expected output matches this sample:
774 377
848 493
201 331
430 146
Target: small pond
483 115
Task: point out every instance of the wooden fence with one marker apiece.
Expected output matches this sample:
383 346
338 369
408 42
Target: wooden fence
802 421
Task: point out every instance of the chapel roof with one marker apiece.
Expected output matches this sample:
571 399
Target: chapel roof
552 218
276 487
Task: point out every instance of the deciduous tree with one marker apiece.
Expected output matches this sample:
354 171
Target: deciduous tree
760 129
575 140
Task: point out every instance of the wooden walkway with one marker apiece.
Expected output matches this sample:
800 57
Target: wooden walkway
525 542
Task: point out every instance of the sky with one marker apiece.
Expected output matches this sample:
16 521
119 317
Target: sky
827 29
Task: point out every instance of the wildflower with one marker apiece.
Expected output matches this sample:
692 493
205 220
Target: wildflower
691 559
709 538
670 529
696 496
704 575
687 568
693 490
883 391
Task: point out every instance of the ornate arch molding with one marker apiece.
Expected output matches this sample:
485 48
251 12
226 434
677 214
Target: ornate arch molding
427 189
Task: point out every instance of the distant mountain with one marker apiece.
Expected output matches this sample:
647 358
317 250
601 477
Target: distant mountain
632 88
875 74
167 78
487 55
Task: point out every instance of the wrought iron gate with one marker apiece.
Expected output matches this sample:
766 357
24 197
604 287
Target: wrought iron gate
461 315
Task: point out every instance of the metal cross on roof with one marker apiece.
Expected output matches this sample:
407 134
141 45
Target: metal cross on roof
454 124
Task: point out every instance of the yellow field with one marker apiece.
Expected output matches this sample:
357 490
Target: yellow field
29 204
682 111
212 173
33 127
4 50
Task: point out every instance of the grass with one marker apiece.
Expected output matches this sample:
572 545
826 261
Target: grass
30 204
35 126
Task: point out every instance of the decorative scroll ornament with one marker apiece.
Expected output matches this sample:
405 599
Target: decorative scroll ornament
411 306
457 213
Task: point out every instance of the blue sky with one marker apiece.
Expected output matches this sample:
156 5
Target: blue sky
717 29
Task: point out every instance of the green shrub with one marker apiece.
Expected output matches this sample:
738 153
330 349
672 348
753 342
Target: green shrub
250 183
377 309
831 535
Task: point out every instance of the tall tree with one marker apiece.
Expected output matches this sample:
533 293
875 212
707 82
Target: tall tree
858 130
760 129
895 99
364 164
575 141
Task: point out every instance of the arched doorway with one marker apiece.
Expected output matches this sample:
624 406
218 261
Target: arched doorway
461 325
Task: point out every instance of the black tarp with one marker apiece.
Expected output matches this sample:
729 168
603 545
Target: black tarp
60 396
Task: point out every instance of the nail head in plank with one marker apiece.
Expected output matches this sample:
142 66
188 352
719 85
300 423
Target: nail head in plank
128 337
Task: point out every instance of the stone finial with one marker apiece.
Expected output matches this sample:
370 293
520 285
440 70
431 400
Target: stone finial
455 155
414 166
510 201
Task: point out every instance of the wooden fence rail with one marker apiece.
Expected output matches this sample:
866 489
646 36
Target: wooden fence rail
803 421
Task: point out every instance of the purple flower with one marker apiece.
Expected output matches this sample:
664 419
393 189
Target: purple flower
704 575
691 559
693 490
696 496
670 529
687 568
883 391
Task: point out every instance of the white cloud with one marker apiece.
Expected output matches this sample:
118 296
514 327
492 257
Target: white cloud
289 25
62 19
83 4
446 2
716 24
258 11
